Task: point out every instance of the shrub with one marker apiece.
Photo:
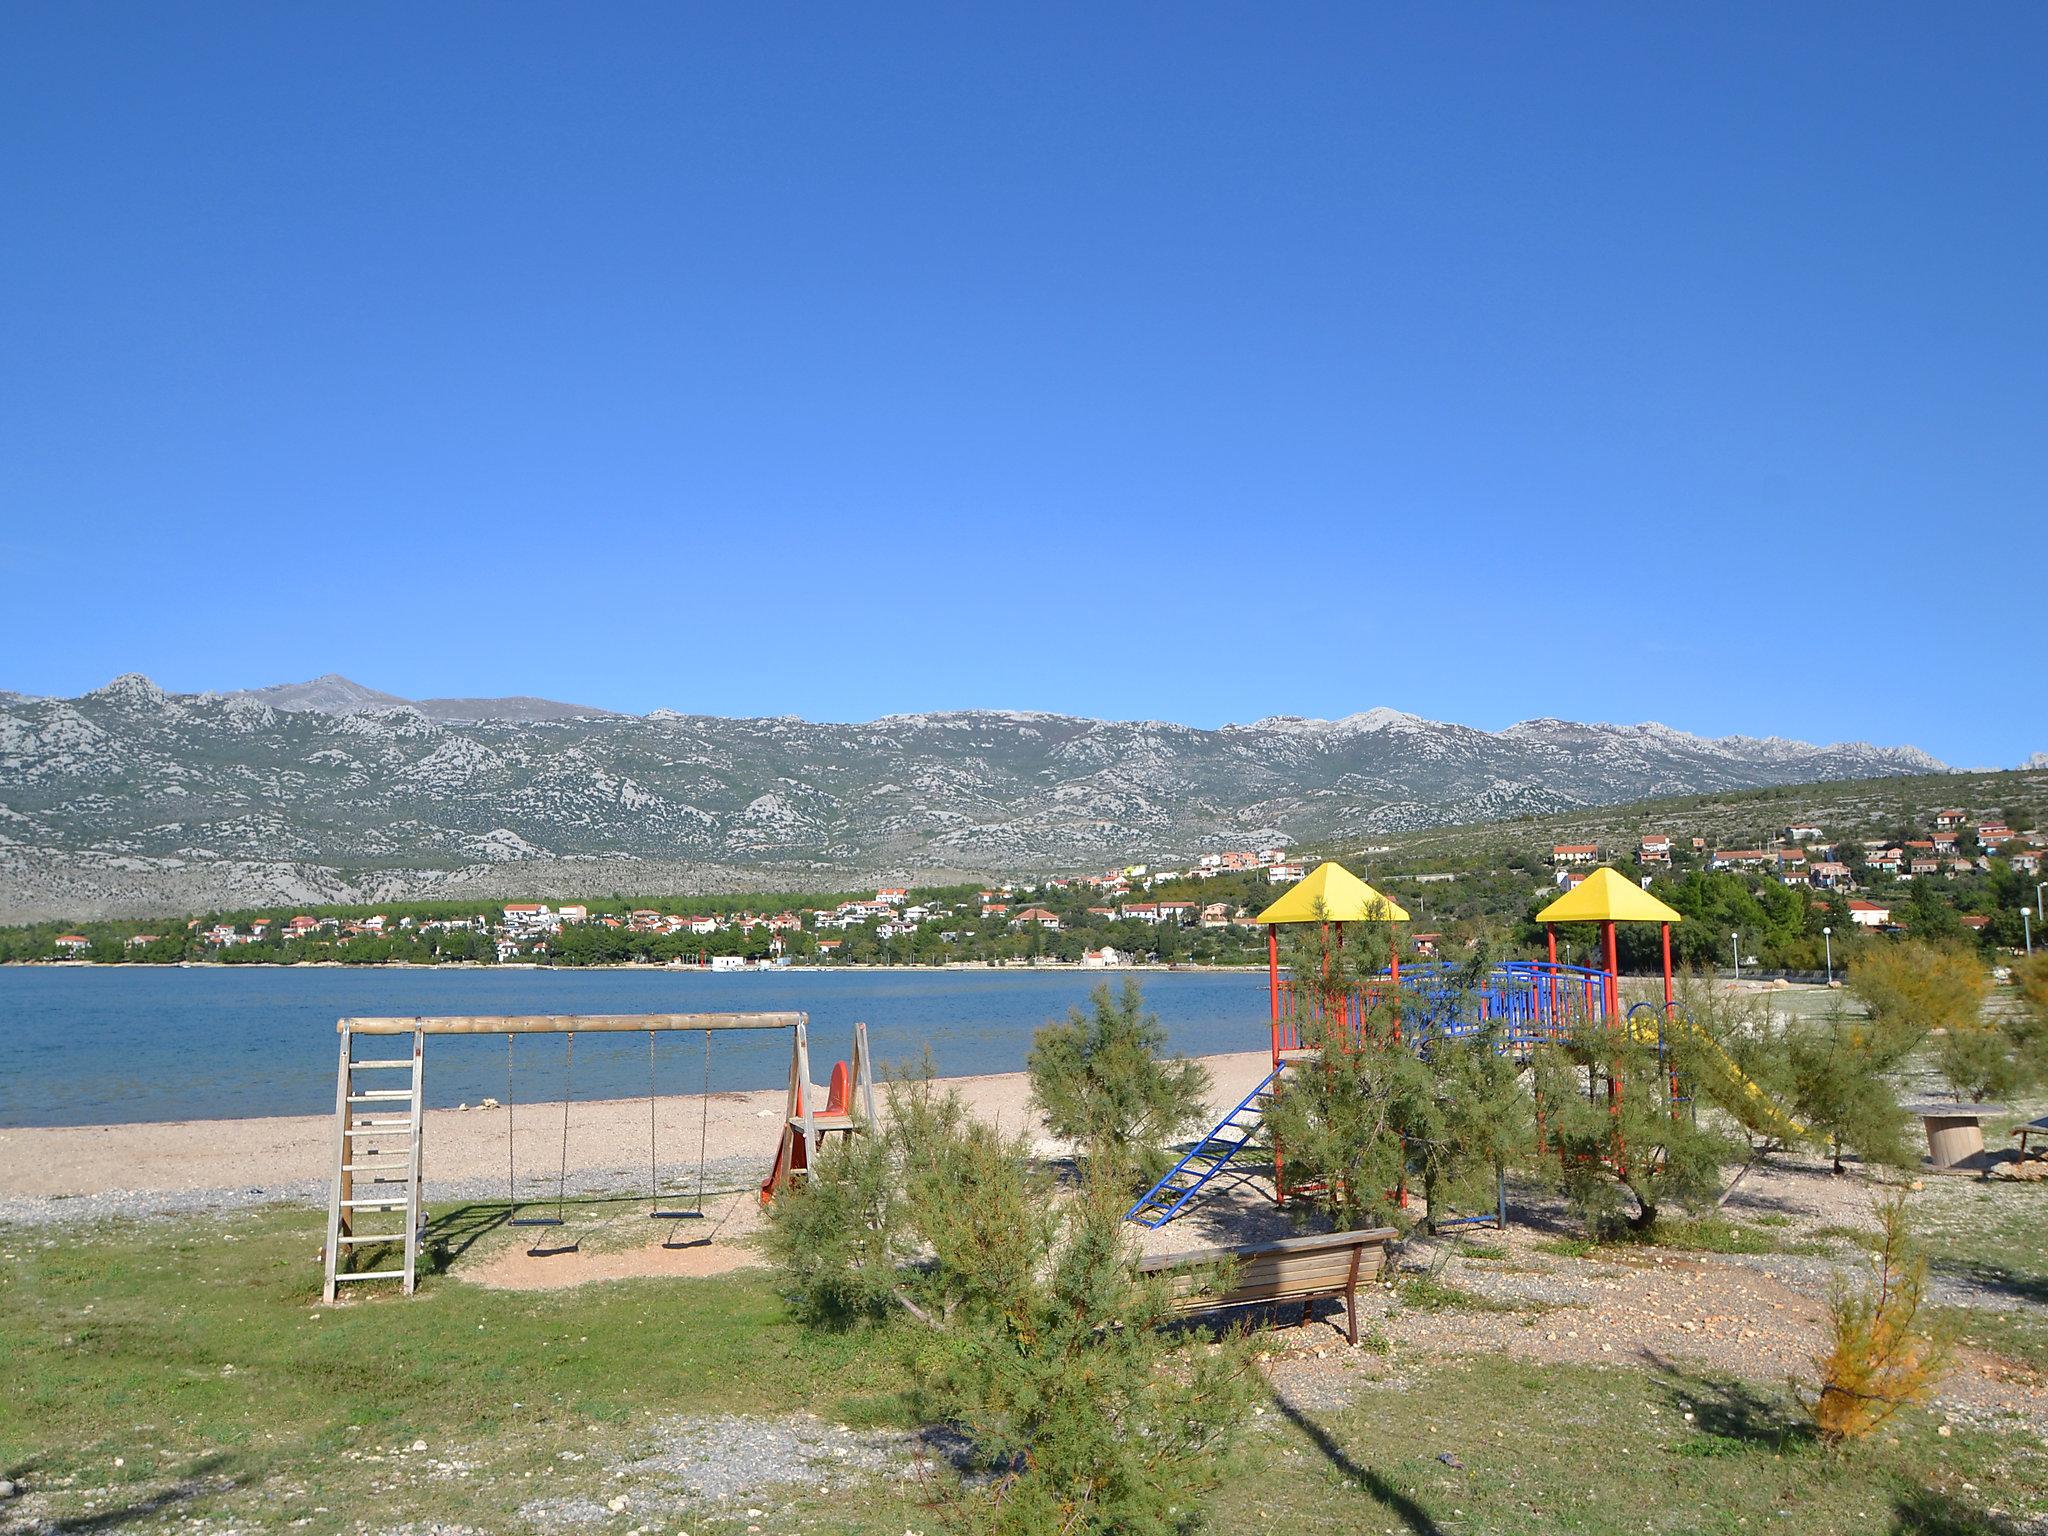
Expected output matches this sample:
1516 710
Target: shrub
1091 1418
1042 1342
1606 1119
1879 1359
1101 1083
838 1234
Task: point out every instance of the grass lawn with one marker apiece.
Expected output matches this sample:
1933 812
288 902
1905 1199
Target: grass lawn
163 1372
1991 1237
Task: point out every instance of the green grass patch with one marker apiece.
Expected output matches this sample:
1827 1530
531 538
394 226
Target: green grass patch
196 1353
1500 1446
1488 1251
202 1345
1428 1293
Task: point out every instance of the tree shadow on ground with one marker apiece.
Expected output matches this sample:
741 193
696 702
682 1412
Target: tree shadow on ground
1923 1512
199 1479
1729 1409
1999 1279
454 1232
1418 1520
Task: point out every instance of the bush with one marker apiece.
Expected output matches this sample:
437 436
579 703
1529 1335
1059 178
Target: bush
1606 1119
1042 1342
1099 1080
837 1235
1090 1417
1880 1359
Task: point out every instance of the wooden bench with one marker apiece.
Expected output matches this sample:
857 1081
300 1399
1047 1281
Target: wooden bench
2031 1129
1300 1269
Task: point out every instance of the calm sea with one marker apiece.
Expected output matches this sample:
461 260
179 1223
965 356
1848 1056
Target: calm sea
110 1044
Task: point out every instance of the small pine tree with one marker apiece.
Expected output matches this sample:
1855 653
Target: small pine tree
838 1235
1840 1088
1101 1082
1880 1358
1606 1119
1093 1419
1043 1342
1338 1120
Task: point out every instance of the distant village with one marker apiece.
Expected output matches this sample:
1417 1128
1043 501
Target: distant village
1202 911
1955 847
1028 911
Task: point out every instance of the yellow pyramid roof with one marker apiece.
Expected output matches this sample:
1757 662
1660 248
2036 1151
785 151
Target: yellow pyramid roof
1333 894
1606 897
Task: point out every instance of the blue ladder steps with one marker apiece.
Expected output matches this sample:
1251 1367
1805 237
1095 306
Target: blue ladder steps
1209 1156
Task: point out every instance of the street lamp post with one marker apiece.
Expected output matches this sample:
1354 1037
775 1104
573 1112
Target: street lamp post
1827 937
1735 952
2027 918
2043 886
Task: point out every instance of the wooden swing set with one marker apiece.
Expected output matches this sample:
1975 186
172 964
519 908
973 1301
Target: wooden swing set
378 1163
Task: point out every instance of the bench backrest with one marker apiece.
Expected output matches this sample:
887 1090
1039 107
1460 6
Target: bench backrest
1293 1267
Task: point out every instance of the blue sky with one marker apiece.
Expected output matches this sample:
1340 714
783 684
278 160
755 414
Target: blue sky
1180 362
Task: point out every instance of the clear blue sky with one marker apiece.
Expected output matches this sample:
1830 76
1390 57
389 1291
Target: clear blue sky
1170 361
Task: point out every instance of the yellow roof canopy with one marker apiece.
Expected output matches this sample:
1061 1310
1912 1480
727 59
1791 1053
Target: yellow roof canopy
1606 897
1332 894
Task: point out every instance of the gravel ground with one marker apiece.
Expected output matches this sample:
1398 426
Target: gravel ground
1753 1316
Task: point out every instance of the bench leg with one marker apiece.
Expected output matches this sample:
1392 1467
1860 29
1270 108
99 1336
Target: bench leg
1351 1301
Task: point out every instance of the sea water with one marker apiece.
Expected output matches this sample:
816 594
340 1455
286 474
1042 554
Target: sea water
89 1045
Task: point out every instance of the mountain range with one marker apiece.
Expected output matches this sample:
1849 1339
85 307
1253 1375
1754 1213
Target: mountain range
132 801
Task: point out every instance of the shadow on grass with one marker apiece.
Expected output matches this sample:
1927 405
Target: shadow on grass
1995 1278
1730 1410
1924 1512
1413 1515
196 1481
454 1232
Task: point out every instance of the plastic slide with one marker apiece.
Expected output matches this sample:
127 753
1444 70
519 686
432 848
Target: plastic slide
1769 1113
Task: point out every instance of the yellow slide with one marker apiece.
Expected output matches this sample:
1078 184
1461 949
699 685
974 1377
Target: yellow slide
1766 1112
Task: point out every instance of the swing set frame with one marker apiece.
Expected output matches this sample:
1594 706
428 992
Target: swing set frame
805 1123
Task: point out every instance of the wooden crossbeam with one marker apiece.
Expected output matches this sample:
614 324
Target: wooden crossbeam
564 1023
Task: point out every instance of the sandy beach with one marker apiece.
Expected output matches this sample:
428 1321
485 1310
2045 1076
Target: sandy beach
465 1149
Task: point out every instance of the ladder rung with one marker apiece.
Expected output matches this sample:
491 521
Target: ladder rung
397 1203
380 1066
362 1239
375 1127
377 1168
380 1095
370 1274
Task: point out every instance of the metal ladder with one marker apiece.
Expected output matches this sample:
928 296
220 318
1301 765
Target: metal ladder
1209 1157
376 1160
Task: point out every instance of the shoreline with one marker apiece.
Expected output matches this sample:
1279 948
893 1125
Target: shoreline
153 1167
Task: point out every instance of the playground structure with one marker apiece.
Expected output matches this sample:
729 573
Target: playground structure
379 1153
1523 1004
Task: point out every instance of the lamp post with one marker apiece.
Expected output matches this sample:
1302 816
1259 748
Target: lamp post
2043 886
1735 952
2027 920
1827 937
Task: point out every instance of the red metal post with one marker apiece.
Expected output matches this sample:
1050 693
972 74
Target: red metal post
1273 983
